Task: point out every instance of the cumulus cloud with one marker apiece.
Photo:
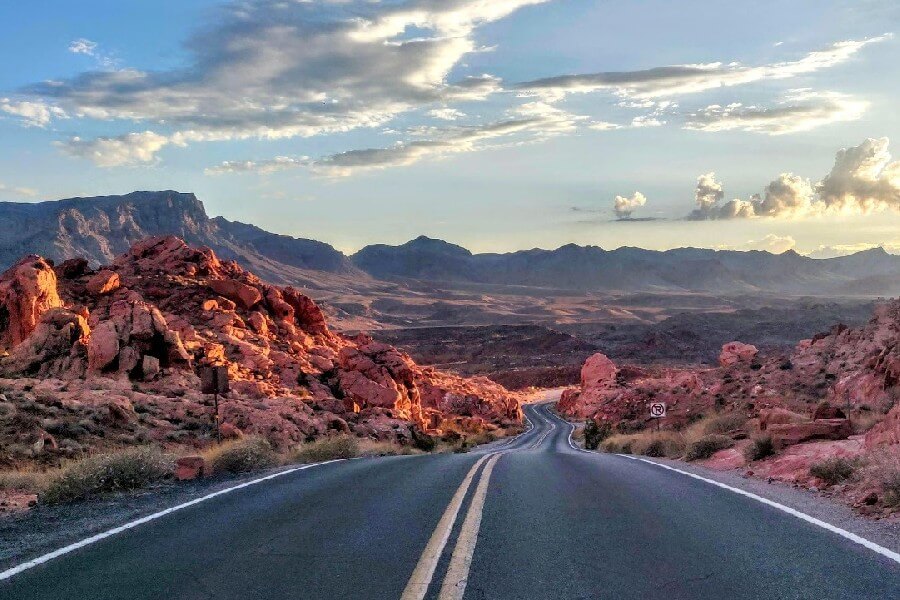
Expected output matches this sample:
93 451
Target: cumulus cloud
625 206
687 79
863 180
128 149
802 110
776 244
836 250
275 69
708 193
33 114
529 122
23 192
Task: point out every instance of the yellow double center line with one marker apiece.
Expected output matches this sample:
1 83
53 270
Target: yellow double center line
454 586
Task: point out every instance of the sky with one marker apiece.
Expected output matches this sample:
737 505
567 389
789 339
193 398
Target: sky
495 124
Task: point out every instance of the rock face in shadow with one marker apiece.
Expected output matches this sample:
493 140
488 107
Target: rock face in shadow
126 341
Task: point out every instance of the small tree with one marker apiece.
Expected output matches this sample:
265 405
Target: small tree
594 434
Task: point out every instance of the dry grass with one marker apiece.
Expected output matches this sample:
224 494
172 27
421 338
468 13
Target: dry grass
760 447
241 456
130 469
725 423
707 445
834 470
378 448
864 421
328 448
883 469
32 482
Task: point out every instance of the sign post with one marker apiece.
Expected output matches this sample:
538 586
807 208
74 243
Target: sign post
657 412
214 380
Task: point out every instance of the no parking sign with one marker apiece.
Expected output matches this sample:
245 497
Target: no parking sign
657 410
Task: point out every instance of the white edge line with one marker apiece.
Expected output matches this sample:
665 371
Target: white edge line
894 556
152 517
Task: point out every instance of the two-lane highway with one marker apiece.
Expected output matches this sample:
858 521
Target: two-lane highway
530 518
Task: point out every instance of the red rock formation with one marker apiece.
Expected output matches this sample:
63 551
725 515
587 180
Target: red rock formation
736 352
853 370
162 309
27 290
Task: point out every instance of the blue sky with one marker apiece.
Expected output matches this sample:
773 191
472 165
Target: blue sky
498 125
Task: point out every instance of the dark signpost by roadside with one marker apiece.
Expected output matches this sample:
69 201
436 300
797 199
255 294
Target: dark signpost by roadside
214 380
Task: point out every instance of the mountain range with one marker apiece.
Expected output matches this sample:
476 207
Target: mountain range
102 227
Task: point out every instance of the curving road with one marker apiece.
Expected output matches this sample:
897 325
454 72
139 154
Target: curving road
531 518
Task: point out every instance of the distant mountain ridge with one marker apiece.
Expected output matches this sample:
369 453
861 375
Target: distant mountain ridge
100 228
591 268
103 227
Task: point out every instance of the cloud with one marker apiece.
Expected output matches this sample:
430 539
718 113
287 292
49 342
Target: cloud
707 195
846 249
530 122
83 46
688 79
33 114
446 114
803 110
863 180
776 244
123 150
17 191
624 206
274 69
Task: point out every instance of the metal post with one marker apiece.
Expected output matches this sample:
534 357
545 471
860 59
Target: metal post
216 417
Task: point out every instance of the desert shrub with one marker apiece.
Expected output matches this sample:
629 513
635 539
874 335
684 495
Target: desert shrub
723 424
423 441
24 481
327 448
594 434
665 444
890 485
130 469
707 445
759 448
833 470
617 444
379 448
241 456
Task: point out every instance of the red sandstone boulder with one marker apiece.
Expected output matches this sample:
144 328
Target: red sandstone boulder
737 352
190 467
72 268
244 295
598 370
27 291
103 282
788 434
886 433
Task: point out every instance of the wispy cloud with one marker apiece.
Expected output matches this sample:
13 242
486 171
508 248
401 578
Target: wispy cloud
802 110
22 192
689 79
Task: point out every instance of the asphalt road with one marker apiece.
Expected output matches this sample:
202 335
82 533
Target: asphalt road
532 518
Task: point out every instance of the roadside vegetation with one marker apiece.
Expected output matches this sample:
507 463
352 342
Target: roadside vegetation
143 467
127 470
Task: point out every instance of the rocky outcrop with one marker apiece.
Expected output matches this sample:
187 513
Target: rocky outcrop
146 322
737 352
27 290
796 396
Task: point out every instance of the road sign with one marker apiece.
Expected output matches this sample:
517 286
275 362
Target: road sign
214 380
657 410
